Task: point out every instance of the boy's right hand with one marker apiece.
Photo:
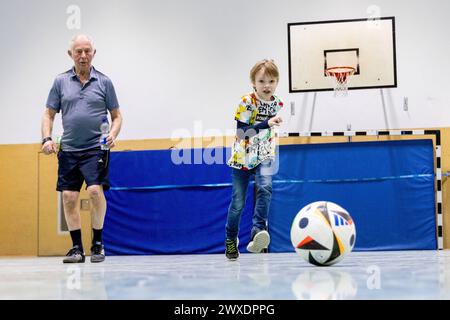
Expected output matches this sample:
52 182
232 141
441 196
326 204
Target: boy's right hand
275 121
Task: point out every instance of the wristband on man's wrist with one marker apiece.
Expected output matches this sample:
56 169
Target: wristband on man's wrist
46 139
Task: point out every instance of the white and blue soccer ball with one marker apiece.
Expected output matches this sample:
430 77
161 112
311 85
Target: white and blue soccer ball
323 233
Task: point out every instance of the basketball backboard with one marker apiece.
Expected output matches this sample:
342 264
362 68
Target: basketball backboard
367 45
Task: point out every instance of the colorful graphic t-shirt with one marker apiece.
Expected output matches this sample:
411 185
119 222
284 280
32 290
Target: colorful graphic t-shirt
247 153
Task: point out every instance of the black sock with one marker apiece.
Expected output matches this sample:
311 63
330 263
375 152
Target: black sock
76 238
97 235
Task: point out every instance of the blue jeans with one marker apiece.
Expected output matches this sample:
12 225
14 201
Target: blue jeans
241 179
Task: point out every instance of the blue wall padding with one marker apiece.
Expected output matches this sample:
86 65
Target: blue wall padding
148 214
158 207
392 199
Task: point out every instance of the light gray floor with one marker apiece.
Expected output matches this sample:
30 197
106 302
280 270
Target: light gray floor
361 275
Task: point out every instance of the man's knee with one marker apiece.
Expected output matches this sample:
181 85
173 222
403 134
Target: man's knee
70 199
95 193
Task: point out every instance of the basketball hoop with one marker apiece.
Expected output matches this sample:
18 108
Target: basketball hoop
340 77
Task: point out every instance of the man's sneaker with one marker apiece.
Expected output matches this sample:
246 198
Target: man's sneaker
231 249
75 255
259 242
97 252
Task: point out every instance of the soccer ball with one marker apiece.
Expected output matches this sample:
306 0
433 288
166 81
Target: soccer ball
323 233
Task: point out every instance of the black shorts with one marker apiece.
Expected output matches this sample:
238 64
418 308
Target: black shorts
75 167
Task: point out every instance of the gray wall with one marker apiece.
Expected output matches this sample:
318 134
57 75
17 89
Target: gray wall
183 64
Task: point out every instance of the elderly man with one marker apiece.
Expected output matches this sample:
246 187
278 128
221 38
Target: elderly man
84 96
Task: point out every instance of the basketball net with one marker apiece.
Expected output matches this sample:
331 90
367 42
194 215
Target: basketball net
340 76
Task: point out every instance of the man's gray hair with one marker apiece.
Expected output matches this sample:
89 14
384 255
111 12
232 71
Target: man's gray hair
80 36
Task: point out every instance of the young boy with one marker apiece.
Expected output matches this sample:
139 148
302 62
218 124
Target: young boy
252 154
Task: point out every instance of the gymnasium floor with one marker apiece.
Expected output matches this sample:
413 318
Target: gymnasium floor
361 275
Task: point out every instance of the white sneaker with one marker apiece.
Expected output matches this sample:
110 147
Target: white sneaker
259 242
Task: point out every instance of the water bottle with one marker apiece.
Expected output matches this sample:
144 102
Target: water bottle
57 139
104 129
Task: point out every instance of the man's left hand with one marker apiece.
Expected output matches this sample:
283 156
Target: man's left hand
111 140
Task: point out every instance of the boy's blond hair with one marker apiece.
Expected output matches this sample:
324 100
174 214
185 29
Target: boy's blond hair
270 69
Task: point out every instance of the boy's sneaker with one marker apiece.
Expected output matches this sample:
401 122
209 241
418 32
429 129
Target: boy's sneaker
75 255
259 242
231 249
97 252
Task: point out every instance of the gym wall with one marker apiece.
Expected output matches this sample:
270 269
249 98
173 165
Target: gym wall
19 192
187 63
